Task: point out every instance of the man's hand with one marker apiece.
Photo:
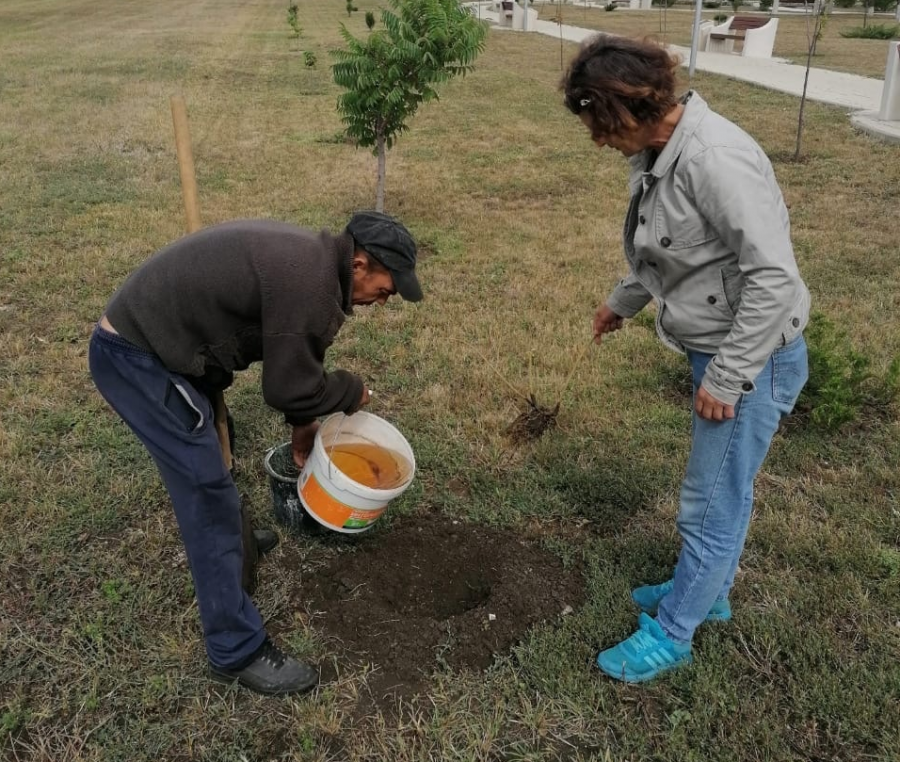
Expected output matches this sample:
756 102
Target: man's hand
302 440
605 321
710 408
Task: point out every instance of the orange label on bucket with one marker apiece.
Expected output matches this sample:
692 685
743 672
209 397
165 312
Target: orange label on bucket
333 511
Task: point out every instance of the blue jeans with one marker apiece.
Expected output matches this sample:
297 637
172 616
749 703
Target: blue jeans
174 422
717 491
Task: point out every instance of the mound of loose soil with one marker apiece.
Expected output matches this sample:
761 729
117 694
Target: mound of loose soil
431 593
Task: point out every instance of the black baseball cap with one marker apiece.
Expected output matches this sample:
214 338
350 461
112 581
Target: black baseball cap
389 242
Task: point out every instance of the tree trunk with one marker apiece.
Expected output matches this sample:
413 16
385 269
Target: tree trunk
803 100
382 162
817 10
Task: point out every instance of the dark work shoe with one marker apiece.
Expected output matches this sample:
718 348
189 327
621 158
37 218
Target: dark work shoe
271 672
266 540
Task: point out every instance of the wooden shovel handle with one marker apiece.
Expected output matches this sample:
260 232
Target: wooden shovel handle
186 163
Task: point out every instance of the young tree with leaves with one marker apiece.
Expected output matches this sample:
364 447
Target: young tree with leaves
395 69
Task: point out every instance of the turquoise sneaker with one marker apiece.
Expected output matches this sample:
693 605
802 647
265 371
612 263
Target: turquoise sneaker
649 596
643 656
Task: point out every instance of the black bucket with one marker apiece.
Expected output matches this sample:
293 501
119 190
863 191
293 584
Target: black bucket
283 475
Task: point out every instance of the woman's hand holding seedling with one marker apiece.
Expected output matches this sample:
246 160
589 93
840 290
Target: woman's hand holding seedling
606 321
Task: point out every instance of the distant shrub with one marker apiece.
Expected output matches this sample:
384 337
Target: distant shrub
720 18
309 58
842 387
845 3
609 7
765 5
873 32
370 20
294 20
712 4
667 3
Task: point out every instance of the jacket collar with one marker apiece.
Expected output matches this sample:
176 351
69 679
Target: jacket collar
695 108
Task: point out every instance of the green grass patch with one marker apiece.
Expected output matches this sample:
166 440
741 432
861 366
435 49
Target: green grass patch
872 32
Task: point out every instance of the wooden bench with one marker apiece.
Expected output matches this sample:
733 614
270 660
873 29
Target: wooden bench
756 32
740 25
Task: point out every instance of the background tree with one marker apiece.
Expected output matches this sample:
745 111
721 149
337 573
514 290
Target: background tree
370 20
390 73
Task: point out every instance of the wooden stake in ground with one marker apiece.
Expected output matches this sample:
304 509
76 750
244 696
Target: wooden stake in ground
192 214
220 411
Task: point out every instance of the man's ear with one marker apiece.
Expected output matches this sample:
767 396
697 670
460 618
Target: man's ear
360 262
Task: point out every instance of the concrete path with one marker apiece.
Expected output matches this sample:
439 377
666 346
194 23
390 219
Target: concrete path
840 89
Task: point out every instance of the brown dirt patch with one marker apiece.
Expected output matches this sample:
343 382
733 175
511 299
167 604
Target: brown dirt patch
432 593
532 422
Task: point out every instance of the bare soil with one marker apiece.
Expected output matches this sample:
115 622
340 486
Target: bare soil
430 594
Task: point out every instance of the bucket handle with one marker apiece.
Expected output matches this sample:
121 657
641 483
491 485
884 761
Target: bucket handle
333 443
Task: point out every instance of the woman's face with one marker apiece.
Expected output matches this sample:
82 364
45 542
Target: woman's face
631 142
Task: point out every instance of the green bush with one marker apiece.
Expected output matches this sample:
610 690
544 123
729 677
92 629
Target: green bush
845 3
609 7
873 32
712 4
294 20
882 6
720 18
667 3
842 387
765 5
309 58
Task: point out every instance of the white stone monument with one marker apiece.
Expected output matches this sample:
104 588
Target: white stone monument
884 124
890 96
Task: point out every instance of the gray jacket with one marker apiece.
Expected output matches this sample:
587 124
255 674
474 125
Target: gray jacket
707 235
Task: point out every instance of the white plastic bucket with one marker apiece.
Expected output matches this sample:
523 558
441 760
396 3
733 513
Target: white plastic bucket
330 496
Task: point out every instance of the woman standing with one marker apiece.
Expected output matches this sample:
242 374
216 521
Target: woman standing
707 236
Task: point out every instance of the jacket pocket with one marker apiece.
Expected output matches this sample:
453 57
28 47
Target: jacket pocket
681 227
732 286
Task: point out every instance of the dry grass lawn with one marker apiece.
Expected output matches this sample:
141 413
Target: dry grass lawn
519 218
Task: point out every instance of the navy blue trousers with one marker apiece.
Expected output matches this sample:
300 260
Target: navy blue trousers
174 422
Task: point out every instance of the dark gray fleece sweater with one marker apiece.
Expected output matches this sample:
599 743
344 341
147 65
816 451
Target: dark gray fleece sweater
236 293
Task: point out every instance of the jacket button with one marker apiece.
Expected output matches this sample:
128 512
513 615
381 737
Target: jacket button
711 299
666 242
795 322
747 386
642 219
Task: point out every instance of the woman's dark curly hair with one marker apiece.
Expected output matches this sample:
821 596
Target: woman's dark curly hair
621 83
